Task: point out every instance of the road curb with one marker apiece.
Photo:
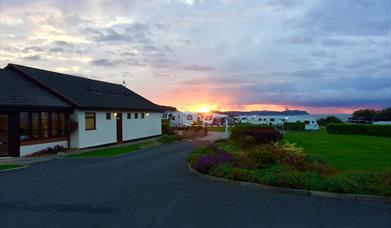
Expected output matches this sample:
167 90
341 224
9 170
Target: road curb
303 192
13 169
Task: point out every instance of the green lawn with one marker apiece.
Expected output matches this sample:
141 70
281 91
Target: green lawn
108 152
345 151
9 166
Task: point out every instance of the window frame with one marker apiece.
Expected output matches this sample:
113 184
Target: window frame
129 115
108 115
143 115
85 120
60 115
136 115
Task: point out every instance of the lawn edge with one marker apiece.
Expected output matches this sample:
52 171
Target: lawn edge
303 192
15 168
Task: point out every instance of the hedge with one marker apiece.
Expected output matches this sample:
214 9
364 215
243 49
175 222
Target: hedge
360 129
298 126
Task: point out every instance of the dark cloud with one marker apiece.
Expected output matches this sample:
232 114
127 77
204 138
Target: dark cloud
197 67
32 57
103 62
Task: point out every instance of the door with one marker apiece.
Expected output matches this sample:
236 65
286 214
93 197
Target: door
4 135
119 127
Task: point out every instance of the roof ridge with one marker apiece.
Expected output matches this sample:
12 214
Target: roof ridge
63 74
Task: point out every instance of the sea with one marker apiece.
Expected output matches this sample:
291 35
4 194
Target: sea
343 117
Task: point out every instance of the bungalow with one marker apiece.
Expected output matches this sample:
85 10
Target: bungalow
41 109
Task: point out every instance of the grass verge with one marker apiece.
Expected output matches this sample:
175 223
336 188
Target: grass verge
113 151
9 166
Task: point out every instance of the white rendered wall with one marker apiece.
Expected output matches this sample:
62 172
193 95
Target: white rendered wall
29 149
133 128
104 133
106 130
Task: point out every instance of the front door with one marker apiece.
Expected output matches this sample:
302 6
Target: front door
119 127
4 135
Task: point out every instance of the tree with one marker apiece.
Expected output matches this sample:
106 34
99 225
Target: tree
369 113
386 113
328 120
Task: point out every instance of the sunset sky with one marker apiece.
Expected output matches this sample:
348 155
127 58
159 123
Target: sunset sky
330 56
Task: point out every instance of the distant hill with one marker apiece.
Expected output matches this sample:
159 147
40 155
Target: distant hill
265 113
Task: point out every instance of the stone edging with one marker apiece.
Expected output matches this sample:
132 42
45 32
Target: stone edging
12 169
303 192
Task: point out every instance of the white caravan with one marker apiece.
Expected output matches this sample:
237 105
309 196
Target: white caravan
310 122
214 119
181 118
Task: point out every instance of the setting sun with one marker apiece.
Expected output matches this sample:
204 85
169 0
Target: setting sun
204 110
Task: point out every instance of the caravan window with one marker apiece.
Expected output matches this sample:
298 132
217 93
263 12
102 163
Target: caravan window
271 119
189 117
307 122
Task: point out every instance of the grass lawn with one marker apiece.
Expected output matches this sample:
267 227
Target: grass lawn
9 166
108 152
345 151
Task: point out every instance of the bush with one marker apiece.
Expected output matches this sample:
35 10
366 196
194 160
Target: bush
205 163
282 176
298 126
352 182
247 136
360 129
313 181
241 174
165 139
222 170
166 127
198 152
328 120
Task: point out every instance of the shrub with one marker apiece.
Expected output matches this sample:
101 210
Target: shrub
328 120
298 126
222 170
248 136
360 129
241 174
352 182
205 163
198 152
166 127
283 176
169 138
224 158
264 135
313 181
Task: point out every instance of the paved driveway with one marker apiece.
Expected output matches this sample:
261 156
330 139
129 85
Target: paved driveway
154 188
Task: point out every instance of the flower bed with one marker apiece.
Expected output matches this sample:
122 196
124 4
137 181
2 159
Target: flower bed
284 165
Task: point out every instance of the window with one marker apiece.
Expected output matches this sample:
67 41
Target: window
136 115
272 120
129 115
61 126
189 117
108 116
55 124
35 124
24 126
307 122
90 120
44 124
142 115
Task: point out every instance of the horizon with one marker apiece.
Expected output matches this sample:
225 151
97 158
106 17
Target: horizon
223 55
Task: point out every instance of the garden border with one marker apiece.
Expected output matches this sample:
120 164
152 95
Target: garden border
303 192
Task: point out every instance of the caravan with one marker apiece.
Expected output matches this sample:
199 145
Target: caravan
310 122
181 118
